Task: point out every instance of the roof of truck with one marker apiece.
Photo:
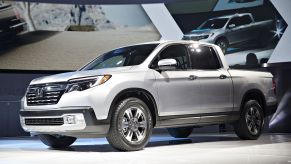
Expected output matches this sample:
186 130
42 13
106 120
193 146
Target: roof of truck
232 15
170 41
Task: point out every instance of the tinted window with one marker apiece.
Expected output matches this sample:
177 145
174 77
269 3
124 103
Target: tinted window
239 21
235 21
244 20
203 57
214 23
126 56
177 52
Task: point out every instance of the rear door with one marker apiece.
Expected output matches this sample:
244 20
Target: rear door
250 30
242 30
246 30
216 84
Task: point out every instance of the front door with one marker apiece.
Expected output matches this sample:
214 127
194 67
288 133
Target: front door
178 89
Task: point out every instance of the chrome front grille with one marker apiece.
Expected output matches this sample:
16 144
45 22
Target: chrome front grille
44 94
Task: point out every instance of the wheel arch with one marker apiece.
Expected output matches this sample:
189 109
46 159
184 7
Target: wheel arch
140 93
221 37
254 94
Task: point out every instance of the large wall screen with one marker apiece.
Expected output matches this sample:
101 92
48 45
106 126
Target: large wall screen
66 36
246 30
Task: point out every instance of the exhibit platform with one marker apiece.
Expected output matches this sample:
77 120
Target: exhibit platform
199 148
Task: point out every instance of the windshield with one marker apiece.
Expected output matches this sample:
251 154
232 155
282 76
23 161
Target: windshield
214 23
125 56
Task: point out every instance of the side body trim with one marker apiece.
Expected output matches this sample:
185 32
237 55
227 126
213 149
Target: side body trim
197 119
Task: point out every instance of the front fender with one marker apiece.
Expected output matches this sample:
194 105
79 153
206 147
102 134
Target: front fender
103 96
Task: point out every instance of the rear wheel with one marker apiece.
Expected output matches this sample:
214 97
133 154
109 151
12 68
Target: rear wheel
56 141
251 122
182 132
131 125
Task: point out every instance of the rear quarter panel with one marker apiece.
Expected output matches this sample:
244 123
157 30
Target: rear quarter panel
244 81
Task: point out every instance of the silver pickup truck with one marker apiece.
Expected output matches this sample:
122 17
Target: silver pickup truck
125 93
232 31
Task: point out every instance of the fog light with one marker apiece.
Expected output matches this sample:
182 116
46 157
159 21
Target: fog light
69 119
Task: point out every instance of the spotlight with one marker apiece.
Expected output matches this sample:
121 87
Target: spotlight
279 29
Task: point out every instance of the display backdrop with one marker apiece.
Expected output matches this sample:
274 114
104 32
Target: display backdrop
67 36
211 24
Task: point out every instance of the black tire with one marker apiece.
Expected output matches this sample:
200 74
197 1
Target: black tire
56 141
223 44
118 135
250 126
182 132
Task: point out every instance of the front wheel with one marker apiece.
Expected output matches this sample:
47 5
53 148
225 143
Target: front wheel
56 141
131 125
251 122
223 44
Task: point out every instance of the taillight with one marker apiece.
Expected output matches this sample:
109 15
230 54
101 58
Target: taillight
274 86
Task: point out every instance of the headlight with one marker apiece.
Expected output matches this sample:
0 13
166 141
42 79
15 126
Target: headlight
82 84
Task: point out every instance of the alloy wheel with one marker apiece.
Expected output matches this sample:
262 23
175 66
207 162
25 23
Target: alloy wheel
223 45
253 120
134 125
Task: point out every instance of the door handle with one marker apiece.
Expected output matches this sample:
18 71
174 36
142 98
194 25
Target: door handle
222 76
192 77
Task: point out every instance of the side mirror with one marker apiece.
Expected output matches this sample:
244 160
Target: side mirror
167 64
231 26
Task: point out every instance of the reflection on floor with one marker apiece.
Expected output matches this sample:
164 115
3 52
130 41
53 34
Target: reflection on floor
202 148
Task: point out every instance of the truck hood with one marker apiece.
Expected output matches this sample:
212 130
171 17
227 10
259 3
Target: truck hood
200 32
63 77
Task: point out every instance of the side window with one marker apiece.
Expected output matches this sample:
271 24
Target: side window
204 57
177 52
234 21
245 20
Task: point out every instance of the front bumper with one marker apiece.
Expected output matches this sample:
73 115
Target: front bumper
71 121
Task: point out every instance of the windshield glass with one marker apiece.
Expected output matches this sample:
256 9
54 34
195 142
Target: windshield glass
125 56
214 23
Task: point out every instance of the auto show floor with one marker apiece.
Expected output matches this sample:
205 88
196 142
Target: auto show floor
199 148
